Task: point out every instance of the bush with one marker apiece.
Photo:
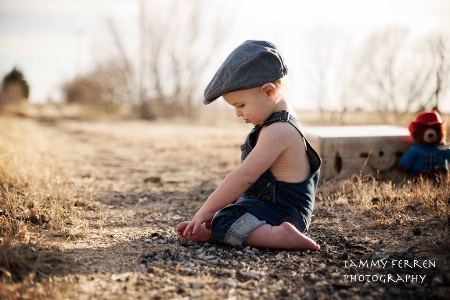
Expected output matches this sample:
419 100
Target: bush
14 88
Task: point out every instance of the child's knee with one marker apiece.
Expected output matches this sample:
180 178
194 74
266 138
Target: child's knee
218 229
233 228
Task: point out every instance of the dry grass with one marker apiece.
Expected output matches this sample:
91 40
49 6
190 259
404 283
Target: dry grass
39 194
47 188
36 192
392 203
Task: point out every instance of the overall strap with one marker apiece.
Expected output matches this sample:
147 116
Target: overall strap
281 116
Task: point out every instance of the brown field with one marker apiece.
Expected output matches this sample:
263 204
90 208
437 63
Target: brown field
88 208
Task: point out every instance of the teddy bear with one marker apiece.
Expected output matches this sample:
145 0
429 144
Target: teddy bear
428 156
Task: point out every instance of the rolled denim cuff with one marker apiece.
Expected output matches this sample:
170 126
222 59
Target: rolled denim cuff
241 229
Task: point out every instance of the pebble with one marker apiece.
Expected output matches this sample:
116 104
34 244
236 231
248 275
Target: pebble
436 281
199 270
379 255
228 282
197 285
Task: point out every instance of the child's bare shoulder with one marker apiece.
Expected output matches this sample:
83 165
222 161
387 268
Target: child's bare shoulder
281 130
282 135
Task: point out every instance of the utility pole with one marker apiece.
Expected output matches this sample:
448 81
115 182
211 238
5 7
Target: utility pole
78 51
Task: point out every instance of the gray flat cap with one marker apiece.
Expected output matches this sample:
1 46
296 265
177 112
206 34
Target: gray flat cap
252 64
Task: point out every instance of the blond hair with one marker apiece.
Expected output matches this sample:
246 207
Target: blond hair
281 85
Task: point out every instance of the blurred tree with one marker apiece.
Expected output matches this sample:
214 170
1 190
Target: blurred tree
440 47
388 72
323 45
331 75
397 75
14 88
82 90
177 43
98 89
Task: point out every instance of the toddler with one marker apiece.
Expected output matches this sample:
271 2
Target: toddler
266 202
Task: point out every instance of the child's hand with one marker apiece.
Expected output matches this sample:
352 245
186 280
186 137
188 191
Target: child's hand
202 216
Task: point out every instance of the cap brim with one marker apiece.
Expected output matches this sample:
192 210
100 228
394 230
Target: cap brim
209 101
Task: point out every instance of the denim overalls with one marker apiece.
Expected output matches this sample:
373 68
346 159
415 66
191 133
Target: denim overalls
269 200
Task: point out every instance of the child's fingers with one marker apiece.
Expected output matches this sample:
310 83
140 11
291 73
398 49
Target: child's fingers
196 226
192 227
208 225
188 229
180 233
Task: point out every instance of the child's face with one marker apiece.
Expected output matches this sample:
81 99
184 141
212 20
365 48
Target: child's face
253 105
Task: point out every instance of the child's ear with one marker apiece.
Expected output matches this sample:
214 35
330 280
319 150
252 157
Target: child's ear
270 90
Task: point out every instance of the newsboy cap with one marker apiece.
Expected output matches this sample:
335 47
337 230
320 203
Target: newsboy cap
252 64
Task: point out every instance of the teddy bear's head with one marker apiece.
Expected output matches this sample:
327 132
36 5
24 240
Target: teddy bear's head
428 128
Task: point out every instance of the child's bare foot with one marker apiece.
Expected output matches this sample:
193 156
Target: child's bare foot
297 240
284 236
202 235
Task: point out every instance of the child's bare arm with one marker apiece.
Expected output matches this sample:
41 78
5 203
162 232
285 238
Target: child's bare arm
272 141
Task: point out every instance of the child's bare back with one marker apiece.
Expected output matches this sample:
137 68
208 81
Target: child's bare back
292 165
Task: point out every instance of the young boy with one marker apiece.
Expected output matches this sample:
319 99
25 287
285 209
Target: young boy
267 202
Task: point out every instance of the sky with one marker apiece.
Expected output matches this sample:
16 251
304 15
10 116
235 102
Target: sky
52 41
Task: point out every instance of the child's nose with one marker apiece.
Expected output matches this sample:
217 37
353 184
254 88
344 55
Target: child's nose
238 112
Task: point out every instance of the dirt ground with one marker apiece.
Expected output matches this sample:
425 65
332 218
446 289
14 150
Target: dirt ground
142 179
